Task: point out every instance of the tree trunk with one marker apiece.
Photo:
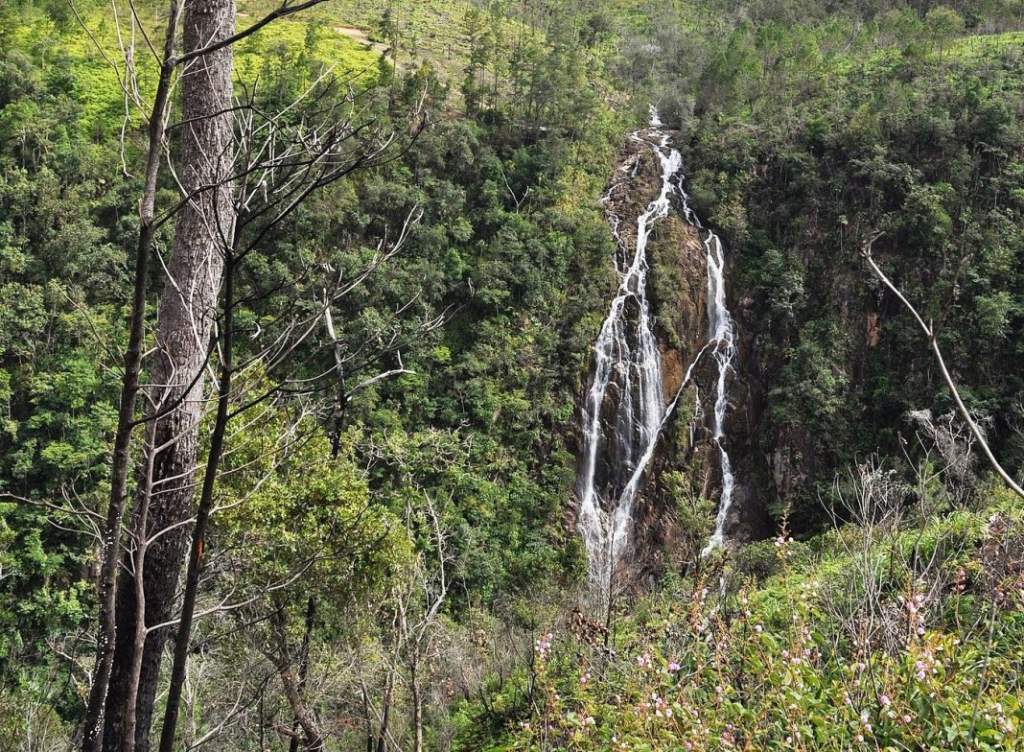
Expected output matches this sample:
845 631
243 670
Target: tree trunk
307 637
417 705
368 718
386 712
184 630
290 681
186 311
92 736
142 507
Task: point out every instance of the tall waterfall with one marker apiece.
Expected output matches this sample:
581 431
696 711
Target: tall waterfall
722 336
626 408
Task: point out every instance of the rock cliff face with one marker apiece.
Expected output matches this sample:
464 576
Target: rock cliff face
671 523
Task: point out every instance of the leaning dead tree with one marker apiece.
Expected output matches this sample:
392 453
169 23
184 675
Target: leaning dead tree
928 329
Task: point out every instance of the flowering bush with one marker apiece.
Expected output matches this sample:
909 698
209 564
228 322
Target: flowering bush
696 667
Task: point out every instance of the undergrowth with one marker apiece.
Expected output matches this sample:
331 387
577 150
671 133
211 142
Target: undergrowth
908 642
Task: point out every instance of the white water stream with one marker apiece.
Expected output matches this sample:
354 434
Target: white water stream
625 407
722 334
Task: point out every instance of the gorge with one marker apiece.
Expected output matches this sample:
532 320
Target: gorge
421 389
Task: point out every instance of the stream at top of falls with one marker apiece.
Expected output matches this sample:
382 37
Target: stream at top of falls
626 408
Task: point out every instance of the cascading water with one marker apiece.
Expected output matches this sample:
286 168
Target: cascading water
722 335
625 408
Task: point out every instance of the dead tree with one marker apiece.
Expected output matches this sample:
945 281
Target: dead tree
414 619
928 330
135 615
208 36
292 682
185 317
418 631
268 190
111 540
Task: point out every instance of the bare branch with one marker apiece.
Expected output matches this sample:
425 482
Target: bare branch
929 332
285 9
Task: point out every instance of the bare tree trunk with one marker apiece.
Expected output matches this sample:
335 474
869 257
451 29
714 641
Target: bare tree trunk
93 725
389 690
202 516
929 332
289 680
307 637
367 717
186 312
138 637
417 706
414 639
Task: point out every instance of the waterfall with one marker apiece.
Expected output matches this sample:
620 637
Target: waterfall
722 333
722 336
625 408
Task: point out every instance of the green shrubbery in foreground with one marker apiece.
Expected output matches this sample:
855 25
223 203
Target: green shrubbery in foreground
876 637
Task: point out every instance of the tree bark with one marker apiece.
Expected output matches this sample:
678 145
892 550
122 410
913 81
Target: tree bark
186 311
92 736
142 507
291 682
195 561
386 712
417 704
307 637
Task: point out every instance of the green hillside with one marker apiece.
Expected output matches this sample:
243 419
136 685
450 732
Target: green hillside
869 637
395 242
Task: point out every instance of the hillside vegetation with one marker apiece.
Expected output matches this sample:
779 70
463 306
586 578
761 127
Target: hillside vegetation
896 632
389 564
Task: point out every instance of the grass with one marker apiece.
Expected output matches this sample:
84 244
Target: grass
90 48
429 31
344 35
983 45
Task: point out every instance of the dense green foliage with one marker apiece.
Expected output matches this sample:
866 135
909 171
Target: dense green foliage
806 127
511 250
799 654
808 133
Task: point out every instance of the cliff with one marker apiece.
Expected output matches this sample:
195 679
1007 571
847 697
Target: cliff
676 507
